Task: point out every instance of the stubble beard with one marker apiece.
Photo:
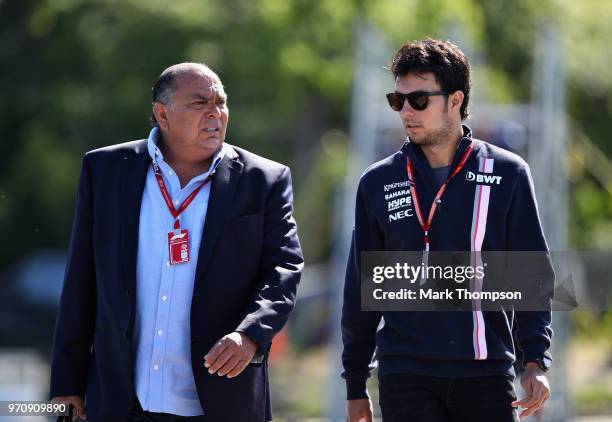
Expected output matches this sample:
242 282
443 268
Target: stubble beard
437 136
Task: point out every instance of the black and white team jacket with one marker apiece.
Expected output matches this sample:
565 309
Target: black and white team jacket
489 205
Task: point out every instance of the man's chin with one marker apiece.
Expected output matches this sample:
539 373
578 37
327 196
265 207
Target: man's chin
212 143
423 139
418 140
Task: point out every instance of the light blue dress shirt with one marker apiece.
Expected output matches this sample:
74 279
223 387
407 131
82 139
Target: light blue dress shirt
162 339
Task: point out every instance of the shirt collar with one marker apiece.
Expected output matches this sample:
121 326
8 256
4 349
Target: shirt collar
157 156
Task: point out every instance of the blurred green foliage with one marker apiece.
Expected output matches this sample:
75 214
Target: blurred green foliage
594 401
76 74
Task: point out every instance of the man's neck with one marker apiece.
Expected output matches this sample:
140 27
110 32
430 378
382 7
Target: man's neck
184 169
187 171
441 154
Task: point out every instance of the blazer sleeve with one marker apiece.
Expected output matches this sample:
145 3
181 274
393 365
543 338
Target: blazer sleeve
281 267
359 327
76 314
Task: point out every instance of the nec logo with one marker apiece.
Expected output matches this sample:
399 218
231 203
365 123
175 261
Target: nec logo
483 178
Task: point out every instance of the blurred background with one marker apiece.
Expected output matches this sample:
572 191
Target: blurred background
306 86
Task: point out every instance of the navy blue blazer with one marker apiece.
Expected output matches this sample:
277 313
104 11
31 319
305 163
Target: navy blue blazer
246 279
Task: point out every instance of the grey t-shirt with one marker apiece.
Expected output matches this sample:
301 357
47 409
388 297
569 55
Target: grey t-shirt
440 174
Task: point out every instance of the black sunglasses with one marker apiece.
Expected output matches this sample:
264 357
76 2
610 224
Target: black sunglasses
418 100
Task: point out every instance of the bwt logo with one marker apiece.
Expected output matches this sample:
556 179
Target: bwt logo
483 178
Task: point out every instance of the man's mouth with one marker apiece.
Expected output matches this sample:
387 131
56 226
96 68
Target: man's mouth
211 129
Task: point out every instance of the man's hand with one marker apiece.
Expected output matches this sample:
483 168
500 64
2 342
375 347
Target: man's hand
536 387
76 402
359 410
230 355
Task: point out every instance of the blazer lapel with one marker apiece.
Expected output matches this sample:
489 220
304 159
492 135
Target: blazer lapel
223 187
133 177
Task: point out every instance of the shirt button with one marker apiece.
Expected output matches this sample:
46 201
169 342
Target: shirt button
167 263
160 332
164 298
156 367
170 173
176 202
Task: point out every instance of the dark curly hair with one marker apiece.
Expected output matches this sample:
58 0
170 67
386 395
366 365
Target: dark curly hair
442 58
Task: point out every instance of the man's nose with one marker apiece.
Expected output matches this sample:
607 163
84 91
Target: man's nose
214 111
407 109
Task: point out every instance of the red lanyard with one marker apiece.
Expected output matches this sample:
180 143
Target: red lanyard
162 187
426 225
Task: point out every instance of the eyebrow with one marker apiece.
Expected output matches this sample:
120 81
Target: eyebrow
202 97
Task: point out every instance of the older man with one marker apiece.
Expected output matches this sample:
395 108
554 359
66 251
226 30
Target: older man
183 265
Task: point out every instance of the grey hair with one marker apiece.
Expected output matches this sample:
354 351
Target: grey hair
164 88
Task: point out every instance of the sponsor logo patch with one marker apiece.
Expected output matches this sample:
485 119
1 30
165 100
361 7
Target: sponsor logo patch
396 185
399 200
395 204
487 179
401 214
392 195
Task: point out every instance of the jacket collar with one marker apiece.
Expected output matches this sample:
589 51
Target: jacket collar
222 190
416 155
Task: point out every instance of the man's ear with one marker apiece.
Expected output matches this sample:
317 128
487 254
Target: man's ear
456 99
160 112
